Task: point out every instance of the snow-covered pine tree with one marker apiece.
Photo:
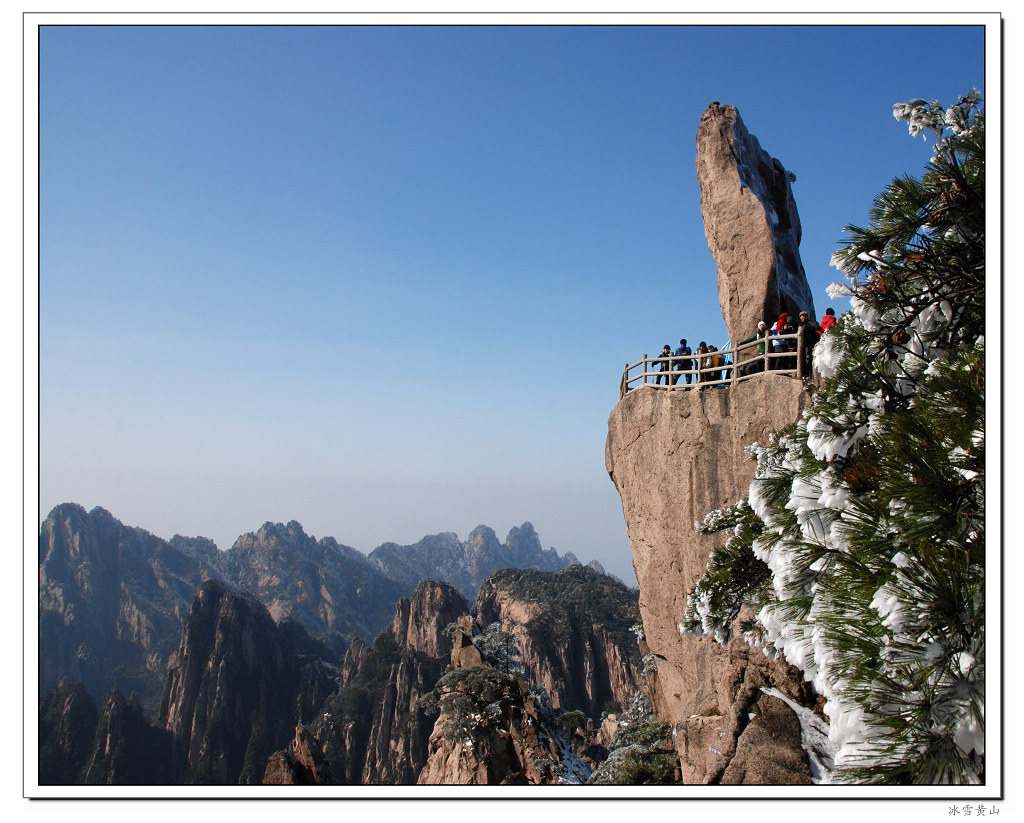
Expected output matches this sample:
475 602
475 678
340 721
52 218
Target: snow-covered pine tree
867 515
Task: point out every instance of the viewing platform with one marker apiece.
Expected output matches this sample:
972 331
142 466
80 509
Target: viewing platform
738 363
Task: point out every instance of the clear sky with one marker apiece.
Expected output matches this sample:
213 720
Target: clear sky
383 280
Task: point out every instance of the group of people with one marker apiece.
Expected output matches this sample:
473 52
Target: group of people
709 365
708 362
783 345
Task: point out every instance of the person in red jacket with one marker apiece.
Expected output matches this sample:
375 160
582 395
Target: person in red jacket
783 326
828 320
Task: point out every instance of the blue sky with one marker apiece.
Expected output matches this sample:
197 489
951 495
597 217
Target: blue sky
383 280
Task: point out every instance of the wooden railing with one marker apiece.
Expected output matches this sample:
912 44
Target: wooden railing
739 363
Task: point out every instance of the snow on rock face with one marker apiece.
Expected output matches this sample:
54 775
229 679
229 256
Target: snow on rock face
751 223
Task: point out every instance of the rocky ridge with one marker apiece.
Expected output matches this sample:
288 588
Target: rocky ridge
574 632
466 565
239 687
517 746
113 598
373 730
331 589
302 764
112 601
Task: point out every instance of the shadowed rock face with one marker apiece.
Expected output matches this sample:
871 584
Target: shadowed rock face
751 223
236 689
67 725
373 730
675 456
127 750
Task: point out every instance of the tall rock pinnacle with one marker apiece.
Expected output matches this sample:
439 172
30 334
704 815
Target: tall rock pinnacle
751 224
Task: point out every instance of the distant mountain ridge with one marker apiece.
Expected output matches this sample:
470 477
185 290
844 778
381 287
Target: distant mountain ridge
334 591
466 565
113 598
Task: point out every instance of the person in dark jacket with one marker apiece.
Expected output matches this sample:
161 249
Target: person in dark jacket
779 346
683 365
703 363
664 364
811 335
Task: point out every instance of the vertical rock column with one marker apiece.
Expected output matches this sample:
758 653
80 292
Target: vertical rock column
751 224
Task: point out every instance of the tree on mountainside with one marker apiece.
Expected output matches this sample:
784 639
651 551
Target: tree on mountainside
641 751
861 543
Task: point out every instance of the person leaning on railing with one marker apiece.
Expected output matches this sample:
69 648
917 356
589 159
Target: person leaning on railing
717 361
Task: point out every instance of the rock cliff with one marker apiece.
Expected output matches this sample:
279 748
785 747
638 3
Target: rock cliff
302 764
531 671
373 730
401 728
236 688
516 745
675 456
573 629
